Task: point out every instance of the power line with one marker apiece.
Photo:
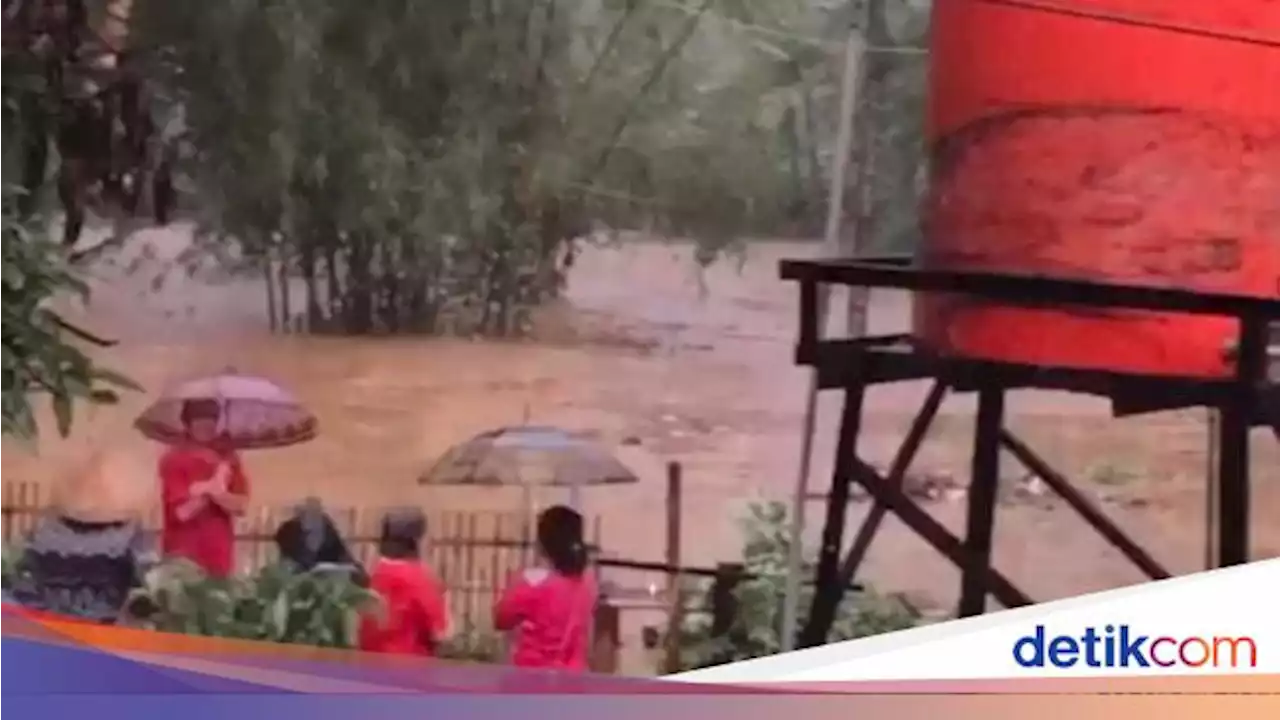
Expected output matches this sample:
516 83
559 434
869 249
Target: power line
1134 21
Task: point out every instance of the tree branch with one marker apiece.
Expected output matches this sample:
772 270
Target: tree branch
655 73
83 334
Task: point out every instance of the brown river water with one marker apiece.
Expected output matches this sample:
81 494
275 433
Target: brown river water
665 363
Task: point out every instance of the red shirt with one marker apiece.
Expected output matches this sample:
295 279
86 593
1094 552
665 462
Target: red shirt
414 617
551 615
207 537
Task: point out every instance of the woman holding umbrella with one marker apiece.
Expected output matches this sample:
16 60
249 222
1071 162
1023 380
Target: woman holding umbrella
205 421
203 488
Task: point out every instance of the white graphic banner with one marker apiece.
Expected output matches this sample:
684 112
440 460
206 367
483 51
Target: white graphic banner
1217 622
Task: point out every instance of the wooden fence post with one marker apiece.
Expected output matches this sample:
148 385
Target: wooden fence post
675 480
606 638
724 603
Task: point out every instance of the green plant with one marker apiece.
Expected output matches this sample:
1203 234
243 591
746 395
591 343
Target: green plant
278 604
474 644
43 353
480 142
11 559
755 628
65 122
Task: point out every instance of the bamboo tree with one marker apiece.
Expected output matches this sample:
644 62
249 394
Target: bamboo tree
439 160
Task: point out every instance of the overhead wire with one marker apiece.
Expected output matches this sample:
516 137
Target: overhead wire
1045 6
1054 8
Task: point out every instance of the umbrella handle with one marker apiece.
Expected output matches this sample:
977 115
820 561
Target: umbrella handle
224 423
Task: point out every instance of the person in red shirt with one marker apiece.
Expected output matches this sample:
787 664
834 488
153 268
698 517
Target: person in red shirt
550 608
203 489
414 619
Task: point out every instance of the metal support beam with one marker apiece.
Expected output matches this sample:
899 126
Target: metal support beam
983 488
934 533
1236 416
1091 513
897 472
829 590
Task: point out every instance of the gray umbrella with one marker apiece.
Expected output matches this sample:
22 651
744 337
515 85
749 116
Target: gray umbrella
528 456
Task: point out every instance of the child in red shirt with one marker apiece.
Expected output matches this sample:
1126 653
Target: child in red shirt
550 609
203 489
414 618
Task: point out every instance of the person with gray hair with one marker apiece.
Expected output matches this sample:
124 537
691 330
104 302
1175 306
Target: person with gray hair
415 618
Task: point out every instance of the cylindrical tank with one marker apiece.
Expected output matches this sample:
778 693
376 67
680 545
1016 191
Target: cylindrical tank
1092 144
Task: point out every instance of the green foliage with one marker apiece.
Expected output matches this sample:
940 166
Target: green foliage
755 632
10 564
427 166
43 353
76 116
319 607
472 644
894 162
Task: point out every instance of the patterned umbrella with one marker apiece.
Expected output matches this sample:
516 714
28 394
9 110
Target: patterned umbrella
256 413
528 456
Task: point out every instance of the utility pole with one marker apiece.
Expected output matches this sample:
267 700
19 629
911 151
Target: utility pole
838 244
868 65
877 62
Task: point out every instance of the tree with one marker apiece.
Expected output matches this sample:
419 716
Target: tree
61 98
430 166
77 106
891 163
888 163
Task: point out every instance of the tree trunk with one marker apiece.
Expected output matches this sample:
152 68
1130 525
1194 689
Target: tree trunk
816 175
308 252
286 311
360 291
388 267
33 122
410 287
269 279
335 302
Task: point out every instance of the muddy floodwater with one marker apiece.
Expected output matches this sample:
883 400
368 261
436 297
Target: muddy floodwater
664 363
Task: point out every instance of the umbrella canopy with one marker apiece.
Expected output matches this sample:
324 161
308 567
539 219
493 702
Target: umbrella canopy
256 413
528 456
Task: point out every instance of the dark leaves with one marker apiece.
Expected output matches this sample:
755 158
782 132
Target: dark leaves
74 99
42 354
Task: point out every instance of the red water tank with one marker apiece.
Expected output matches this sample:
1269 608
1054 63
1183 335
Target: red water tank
1129 141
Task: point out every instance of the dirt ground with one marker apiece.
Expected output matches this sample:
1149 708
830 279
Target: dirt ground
681 366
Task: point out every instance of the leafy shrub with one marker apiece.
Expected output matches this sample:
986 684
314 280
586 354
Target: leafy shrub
45 356
472 644
12 553
321 607
756 628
